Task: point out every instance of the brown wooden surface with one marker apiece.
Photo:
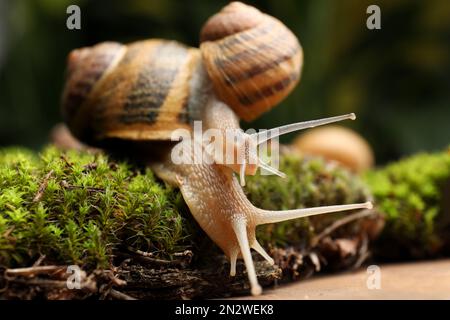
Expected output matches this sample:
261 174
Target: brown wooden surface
414 280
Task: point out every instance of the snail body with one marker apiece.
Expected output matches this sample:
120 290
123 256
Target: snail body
144 91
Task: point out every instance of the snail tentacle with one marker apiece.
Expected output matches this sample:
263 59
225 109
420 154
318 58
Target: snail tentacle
256 139
267 216
258 248
240 228
261 137
233 259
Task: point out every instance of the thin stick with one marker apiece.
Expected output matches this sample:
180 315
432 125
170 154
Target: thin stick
39 260
364 252
140 252
42 187
120 295
32 271
339 223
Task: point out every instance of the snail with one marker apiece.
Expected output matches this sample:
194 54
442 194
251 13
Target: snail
139 93
339 144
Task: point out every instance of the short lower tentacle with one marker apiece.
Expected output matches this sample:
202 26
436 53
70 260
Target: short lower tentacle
233 259
258 248
266 216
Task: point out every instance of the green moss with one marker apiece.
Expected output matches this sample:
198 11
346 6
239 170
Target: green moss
410 193
83 208
88 207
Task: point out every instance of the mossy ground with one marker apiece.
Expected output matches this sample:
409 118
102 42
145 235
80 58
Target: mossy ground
413 195
78 207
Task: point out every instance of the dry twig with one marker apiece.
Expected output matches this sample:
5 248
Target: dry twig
339 223
42 187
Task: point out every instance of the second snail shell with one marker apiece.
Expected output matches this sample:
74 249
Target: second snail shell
253 60
337 143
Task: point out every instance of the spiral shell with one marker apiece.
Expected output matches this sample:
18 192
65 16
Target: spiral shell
253 60
138 91
337 143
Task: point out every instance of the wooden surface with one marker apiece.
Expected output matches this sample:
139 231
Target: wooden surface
415 280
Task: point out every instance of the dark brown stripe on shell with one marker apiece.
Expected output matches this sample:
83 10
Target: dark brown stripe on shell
148 117
251 51
247 35
272 49
75 97
184 116
258 69
152 86
85 75
268 91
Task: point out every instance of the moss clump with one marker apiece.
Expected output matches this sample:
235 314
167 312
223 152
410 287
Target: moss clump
412 194
83 208
77 208
310 182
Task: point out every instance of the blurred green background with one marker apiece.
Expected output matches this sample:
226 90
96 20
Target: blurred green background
397 79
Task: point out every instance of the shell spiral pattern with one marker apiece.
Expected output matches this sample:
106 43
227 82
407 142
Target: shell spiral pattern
139 91
253 60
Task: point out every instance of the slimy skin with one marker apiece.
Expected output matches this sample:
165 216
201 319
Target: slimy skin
219 205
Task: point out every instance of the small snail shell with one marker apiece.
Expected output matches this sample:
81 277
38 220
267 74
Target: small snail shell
253 60
337 143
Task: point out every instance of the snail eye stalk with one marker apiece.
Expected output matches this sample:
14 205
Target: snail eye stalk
262 137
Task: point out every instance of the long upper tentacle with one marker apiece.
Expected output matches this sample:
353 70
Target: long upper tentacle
276 132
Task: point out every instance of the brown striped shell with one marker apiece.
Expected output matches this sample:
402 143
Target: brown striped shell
253 60
138 91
